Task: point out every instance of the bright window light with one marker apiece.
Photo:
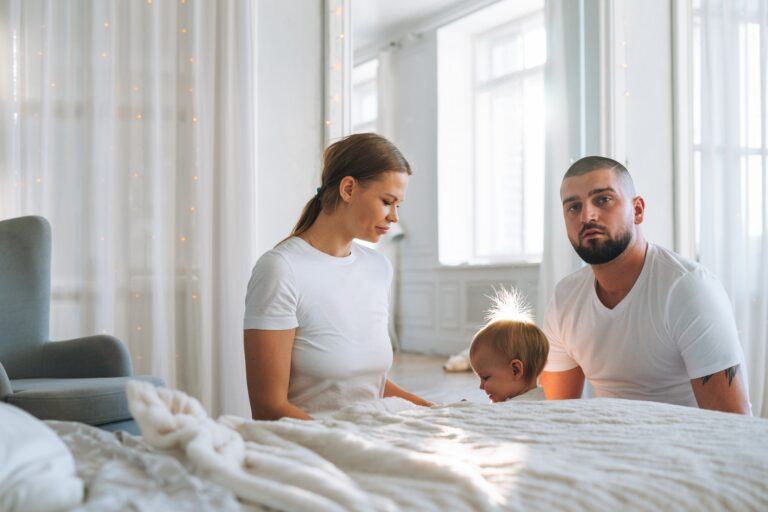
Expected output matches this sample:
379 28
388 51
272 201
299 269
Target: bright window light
491 135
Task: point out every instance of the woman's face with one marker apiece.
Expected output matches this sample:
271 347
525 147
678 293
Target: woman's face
372 206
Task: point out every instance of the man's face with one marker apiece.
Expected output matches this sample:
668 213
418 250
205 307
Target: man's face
599 216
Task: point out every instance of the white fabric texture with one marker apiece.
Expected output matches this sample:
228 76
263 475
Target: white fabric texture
37 472
730 64
121 472
536 393
340 309
676 324
599 454
129 125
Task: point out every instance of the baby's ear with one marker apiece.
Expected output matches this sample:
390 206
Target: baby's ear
517 367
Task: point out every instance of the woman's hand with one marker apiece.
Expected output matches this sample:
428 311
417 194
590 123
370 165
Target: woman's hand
268 371
390 389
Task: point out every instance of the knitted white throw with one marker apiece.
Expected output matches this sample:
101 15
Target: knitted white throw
602 454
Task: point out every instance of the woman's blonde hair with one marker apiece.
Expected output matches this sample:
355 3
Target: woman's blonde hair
363 156
515 339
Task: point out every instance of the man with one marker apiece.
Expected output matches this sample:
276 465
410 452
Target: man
640 322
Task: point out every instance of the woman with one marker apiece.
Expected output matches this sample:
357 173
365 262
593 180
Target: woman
316 319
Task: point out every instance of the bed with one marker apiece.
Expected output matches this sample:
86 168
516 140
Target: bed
597 454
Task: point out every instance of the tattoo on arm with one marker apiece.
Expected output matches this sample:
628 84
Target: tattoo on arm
730 373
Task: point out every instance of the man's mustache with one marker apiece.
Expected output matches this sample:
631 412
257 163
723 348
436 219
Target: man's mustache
587 227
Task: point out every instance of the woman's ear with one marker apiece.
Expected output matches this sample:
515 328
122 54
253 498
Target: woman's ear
518 370
347 187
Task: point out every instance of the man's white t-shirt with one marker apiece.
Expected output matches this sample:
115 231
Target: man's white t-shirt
340 309
675 325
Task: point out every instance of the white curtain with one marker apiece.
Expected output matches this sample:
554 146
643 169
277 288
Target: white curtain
130 126
730 63
563 141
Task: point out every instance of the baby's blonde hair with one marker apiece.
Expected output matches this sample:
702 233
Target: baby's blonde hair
516 339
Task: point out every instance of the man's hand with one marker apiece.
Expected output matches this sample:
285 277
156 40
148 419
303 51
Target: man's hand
722 391
563 385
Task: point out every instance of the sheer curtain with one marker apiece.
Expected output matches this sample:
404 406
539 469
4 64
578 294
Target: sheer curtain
563 141
130 126
730 62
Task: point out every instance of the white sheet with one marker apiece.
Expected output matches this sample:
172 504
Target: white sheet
602 454
122 473
37 471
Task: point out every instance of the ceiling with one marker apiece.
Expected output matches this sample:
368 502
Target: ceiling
375 20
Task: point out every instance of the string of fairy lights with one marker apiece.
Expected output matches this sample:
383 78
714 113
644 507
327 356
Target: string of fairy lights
104 54
338 59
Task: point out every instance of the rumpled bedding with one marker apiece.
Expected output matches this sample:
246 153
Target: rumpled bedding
600 454
122 473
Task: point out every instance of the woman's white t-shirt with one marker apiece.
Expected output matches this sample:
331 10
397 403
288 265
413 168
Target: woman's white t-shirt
340 309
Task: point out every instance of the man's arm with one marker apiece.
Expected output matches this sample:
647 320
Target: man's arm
722 391
563 385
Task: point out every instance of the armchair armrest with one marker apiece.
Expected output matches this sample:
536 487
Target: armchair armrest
89 357
5 384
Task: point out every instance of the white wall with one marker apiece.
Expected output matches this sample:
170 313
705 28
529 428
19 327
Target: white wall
290 106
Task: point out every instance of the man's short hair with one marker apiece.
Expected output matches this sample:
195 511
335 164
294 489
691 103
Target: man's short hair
596 163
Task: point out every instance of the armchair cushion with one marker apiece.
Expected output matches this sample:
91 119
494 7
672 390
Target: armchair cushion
94 401
92 356
5 384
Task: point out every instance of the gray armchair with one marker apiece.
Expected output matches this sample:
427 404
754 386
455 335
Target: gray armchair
76 380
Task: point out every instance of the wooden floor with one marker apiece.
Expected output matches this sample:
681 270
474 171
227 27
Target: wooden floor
424 376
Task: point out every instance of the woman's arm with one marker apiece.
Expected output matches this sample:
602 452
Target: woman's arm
390 389
268 370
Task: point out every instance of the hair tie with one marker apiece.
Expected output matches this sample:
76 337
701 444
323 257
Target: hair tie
319 189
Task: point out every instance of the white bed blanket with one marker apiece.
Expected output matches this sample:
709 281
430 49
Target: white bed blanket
600 454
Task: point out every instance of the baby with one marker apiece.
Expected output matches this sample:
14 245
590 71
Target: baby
509 353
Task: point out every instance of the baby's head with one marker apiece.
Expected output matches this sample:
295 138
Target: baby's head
508 355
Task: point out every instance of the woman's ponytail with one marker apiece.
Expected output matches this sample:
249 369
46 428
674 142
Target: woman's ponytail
308 215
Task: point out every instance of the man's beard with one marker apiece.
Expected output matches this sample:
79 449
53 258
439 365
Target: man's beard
596 253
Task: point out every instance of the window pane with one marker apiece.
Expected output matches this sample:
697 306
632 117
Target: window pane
499 173
365 101
754 195
506 56
535 43
696 80
533 133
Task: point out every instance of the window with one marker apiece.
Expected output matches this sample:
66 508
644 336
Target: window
365 108
748 144
491 135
